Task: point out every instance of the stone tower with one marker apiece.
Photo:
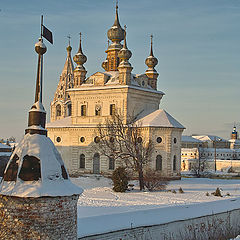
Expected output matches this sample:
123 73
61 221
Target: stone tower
61 105
37 198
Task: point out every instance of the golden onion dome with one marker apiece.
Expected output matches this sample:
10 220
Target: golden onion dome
125 53
40 47
80 58
116 33
151 61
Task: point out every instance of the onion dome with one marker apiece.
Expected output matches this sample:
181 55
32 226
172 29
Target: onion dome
80 58
116 33
124 54
151 61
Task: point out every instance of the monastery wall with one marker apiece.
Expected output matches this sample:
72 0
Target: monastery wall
205 227
47 218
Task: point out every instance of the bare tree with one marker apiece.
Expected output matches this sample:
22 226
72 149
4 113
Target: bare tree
125 142
200 166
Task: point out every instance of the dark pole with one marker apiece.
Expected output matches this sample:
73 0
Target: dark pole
41 26
215 154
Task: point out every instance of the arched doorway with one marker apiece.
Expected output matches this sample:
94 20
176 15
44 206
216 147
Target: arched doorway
96 163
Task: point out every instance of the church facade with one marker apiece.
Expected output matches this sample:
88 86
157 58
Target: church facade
82 103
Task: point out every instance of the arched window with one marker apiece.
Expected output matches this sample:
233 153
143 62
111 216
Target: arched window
174 163
159 162
111 163
58 110
82 161
69 106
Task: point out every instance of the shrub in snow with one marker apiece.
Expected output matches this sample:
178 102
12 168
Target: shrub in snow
120 179
154 180
217 193
173 191
207 194
228 194
180 190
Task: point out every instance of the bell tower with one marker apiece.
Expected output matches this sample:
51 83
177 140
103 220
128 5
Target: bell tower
116 35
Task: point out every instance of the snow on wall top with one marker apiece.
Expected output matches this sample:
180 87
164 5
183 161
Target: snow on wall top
159 118
53 179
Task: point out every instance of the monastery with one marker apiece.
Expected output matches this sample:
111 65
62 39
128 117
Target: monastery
81 103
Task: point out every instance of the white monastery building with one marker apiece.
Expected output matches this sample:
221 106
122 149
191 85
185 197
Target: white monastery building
82 103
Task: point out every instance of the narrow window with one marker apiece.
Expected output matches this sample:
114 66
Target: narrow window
83 110
58 110
174 163
98 110
111 163
82 161
69 109
159 162
112 109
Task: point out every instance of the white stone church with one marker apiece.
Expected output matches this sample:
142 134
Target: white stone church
81 103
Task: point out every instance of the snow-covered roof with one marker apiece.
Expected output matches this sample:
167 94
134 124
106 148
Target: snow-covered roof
159 118
206 138
64 122
190 139
52 178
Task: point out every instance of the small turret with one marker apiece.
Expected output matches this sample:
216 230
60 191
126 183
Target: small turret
125 67
234 134
80 71
151 62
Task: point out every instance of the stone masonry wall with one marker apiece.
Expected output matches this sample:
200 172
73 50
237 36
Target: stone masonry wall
38 218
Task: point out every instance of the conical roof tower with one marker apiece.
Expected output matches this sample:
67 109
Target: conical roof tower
36 189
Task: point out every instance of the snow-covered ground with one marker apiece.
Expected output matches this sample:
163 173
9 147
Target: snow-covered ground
101 207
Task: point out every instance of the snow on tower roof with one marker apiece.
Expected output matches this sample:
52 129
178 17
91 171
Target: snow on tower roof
159 118
36 169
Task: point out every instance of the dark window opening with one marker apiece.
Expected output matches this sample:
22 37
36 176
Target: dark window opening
82 161
83 110
58 139
139 140
69 109
111 163
97 139
174 163
112 109
11 173
175 140
58 110
30 170
64 172
159 162
98 110
82 139
159 139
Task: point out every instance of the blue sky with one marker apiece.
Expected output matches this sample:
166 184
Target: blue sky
197 44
